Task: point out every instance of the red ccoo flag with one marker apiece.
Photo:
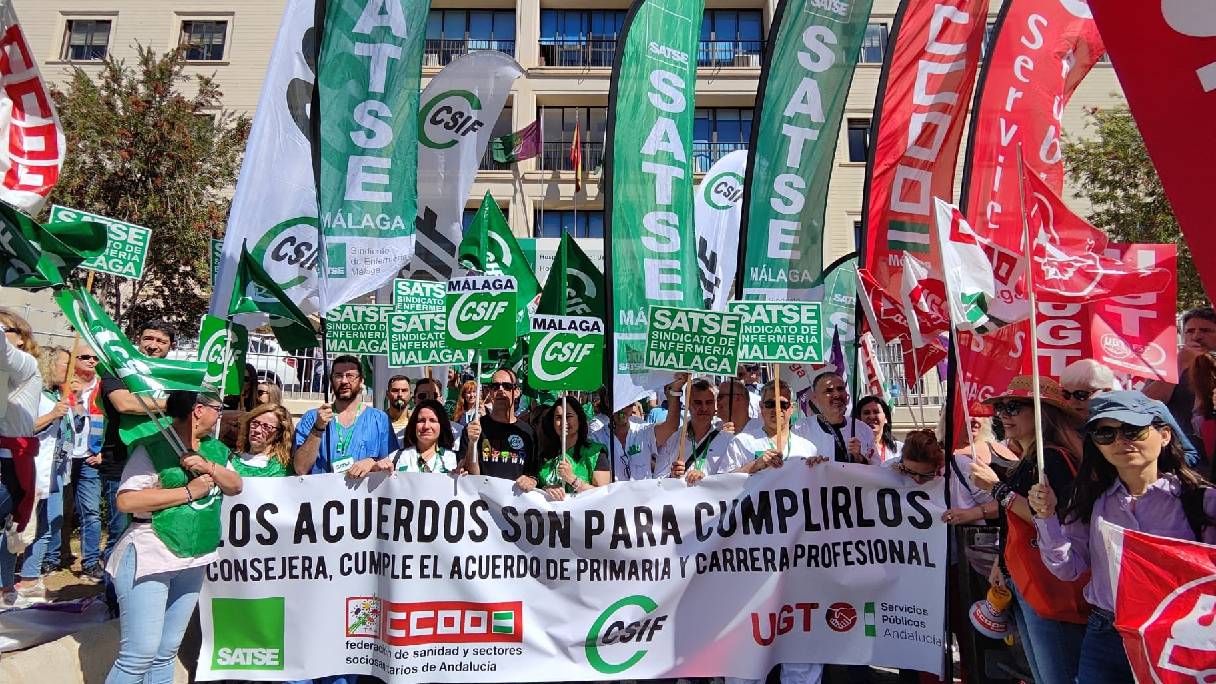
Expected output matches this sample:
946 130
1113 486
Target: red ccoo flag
1070 256
576 159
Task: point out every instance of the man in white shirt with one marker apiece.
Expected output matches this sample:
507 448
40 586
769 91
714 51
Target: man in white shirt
768 442
833 433
634 444
703 440
749 376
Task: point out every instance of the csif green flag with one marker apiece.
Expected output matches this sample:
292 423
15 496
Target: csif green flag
649 194
566 340
490 247
803 87
253 291
34 256
575 286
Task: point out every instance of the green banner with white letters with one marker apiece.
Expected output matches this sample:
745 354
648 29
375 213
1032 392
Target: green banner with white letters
650 175
126 248
805 82
780 332
567 353
222 345
481 312
418 296
358 329
693 340
420 339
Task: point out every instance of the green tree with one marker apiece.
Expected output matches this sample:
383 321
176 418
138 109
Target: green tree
1114 172
150 145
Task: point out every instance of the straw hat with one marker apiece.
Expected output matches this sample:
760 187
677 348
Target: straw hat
1022 387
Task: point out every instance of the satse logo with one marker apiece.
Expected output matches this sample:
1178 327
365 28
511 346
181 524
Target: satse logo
247 634
629 621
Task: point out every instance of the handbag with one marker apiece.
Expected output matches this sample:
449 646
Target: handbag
1051 597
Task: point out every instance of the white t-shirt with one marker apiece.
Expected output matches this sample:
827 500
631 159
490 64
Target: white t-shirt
825 441
634 460
20 392
714 450
754 441
884 455
444 461
94 424
598 429
153 556
257 461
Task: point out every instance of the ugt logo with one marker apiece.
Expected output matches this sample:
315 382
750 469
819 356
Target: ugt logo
628 621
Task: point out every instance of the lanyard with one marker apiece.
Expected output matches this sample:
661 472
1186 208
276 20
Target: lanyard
842 451
698 453
346 433
436 460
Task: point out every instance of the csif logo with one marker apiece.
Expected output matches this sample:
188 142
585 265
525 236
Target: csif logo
447 118
724 191
289 253
247 634
618 628
564 345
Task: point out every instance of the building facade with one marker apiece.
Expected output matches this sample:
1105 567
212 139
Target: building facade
566 48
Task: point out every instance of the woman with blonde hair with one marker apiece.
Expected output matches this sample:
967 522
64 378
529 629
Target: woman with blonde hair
21 385
268 393
264 443
467 407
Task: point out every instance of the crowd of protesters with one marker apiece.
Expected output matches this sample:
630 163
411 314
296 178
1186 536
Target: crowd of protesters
75 449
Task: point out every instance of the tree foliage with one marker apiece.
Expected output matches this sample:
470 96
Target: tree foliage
150 145
1114 172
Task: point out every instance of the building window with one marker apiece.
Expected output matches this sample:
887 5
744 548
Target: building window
582 223
558 124
577 38
203 40
451 33
989 34
859 140
501 127
466 218
86 40
731 38
717 132
874 45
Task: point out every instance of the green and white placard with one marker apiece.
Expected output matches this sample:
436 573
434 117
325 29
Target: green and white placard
217 256
780 332
126 248
219 344
693 340
419 339
567 353
418 296
481 312
358 329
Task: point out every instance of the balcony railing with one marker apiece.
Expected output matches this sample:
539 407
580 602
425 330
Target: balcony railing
556 157
441 51
599 52
704 154
488 163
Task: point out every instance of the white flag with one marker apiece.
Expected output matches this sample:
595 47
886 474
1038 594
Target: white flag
456 116
718 208
970 284
275 206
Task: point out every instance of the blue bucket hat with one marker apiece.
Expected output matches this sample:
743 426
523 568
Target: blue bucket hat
1127 406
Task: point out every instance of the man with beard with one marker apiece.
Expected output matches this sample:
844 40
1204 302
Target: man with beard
834 434
124 412
498 444
329 439
397 400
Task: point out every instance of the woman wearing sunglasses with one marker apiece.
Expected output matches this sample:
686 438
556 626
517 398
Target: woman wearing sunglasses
1133 475
1050 614
264 443
584 465
268 393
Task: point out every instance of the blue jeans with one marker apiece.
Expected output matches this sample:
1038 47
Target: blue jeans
1103 658
88 512
50 518
117 523
154 613
1052 647
8 561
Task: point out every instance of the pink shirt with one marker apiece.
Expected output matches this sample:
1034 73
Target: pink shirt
152 556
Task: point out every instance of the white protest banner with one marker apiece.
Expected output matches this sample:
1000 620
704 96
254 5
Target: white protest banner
692 340
422 578
126 248
358 329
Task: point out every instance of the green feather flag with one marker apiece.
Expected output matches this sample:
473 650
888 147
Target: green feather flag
490 247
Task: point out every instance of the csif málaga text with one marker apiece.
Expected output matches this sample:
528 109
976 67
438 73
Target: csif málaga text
401 520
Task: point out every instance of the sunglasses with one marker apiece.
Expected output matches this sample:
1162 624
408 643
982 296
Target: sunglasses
1079 395
509 386
218 408
1009 409
263 392
85 357
919 477
1106 435
771 404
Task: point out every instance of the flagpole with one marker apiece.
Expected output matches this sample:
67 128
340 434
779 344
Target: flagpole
920 404
683 420
167 431
66 388
781 424
224 372
1034 322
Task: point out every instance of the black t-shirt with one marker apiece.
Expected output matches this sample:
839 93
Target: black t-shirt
505 450
113 451
1025 474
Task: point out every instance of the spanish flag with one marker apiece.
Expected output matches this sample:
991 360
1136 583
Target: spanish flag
576 159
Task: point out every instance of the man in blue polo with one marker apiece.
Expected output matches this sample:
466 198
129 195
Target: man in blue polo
330 438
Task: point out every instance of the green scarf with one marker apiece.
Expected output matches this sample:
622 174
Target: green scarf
190 529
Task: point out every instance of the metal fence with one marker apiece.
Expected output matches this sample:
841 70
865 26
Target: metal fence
556 156
440 52
597 51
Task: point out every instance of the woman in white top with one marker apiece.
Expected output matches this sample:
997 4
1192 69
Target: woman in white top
428 446
876 413
21 384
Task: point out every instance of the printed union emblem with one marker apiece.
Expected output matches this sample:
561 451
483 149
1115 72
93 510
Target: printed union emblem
362 616
516 441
